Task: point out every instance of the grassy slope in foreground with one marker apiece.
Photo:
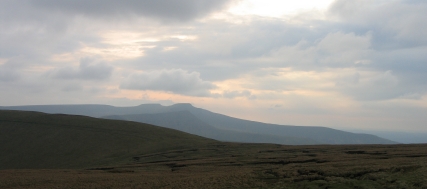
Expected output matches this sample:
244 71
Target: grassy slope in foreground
38 140
231 165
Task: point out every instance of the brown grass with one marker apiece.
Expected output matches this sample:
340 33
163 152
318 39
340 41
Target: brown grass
246 166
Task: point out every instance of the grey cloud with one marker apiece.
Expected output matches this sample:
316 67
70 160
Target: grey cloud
234 94
394 23
348 80
370 35
406 61
72 88
9 70
365 45
88 70
39 34
335 50
227 52
181 10
339 42
378 86
277 106
398 41
175 81
8 75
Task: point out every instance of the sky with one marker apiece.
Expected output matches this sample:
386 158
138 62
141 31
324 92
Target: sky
359 64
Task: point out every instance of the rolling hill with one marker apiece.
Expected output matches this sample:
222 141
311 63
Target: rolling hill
229 128
39 140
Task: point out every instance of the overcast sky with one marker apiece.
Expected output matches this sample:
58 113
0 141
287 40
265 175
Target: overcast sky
359 64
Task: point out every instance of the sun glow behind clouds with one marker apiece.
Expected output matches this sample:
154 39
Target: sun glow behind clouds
3 60
275 8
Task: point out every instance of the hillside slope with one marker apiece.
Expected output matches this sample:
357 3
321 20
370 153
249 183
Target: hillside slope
322 135
187 122
39 140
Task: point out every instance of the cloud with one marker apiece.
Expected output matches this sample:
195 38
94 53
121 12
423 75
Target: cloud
351 79
72 88
169 10
8 75
235 94
334 50
89 69
340 42
229 51
176 81
394 23
9 69
373 86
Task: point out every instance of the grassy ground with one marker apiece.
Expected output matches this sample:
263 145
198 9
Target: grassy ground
61 151
229 165
38 140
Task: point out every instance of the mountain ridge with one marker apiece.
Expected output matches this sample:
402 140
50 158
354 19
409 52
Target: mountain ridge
323 135
187 122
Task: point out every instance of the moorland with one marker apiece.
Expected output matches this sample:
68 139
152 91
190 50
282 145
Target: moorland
40 150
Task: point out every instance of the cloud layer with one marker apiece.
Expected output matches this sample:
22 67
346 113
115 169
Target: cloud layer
87 70
168 10
175 81
334 67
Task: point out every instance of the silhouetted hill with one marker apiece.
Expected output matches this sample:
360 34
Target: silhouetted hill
39 140
319 135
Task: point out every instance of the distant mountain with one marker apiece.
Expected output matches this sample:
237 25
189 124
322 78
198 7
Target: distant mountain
93 110
407 137
39 140
228 127
187 122
323 135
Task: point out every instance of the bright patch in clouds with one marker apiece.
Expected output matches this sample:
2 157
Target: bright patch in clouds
278 8
184 37
2 61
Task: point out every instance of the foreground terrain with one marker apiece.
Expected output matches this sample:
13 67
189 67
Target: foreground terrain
40 150
245 166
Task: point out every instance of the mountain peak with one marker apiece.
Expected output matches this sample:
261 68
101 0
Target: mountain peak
181 106
153 104
188 105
